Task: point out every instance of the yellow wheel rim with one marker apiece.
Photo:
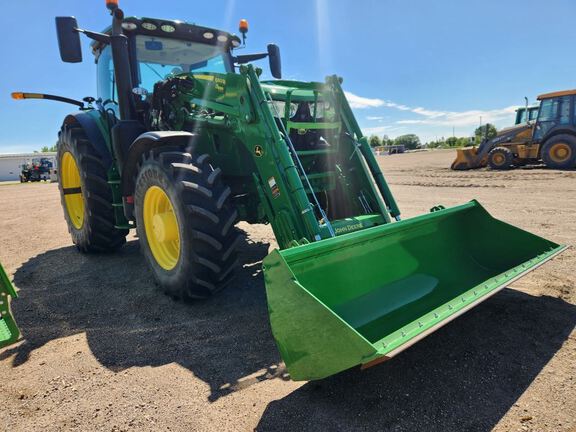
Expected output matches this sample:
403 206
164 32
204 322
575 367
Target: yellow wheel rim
560 152
72 187
161 227
498 159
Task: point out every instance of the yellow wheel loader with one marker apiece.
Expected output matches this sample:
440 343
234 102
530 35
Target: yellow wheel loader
546 133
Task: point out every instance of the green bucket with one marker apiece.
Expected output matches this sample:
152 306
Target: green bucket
9 332
363 297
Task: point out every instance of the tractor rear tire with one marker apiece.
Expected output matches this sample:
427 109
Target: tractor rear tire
500 158
85 193
186 224
559 152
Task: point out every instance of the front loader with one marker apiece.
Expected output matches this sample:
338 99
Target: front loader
185 139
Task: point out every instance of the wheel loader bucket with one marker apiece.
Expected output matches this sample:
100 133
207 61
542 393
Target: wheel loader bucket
9 332
363 297
467 158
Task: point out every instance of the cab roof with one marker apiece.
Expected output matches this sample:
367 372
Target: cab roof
557 94
531 107
177 30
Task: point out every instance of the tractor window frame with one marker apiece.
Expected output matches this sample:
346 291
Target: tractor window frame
109 91
546 123
106 88
135 63
543 115
565 117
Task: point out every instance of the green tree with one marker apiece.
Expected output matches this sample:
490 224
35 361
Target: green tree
410 141
481 132
387 141
374 141
436 144
47 149
451 141
457 142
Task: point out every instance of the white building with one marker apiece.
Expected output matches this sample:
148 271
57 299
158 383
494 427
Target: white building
11 164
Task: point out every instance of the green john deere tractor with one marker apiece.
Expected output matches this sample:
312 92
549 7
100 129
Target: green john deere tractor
184 140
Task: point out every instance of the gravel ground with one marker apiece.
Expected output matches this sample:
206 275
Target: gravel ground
103 349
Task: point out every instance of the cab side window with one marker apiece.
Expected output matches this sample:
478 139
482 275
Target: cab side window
106 87
564 110
550 113
549 110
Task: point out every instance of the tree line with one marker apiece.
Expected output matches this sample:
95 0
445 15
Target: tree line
409 141
412 141
46 149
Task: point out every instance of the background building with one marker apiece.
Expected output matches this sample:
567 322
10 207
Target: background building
11 164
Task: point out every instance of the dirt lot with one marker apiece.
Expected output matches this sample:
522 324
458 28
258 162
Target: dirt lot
104 350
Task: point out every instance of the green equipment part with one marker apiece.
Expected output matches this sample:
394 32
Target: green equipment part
185 139
9 332
366 296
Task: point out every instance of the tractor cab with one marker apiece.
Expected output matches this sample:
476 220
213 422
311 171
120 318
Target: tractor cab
160 49
556 115
526 114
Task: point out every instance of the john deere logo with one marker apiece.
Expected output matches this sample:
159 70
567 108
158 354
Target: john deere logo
258 151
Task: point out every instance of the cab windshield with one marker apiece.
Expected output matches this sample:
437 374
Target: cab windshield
159 58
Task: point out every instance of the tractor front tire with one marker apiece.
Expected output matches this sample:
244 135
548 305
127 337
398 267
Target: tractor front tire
559 152
85 193
186 224
500 158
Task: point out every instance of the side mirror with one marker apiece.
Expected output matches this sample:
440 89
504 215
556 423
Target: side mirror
275 62
68 39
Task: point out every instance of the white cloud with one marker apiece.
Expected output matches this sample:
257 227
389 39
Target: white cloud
457 118
379 130
428 118
462 118
359 102
398 106
428 113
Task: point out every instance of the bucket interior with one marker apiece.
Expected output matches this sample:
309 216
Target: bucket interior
383 278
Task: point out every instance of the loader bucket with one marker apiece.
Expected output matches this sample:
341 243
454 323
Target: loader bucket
363 297
9 332
468 158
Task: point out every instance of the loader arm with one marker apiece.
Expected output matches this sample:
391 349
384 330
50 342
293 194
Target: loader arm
352 125
290 185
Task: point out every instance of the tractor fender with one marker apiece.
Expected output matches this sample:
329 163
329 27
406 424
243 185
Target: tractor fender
143 144
89 124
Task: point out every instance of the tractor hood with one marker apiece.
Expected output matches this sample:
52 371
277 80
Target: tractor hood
513 129
509 134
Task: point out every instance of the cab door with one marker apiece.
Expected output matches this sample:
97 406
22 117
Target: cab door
553 112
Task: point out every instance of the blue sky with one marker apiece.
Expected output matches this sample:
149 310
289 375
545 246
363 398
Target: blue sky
409 66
